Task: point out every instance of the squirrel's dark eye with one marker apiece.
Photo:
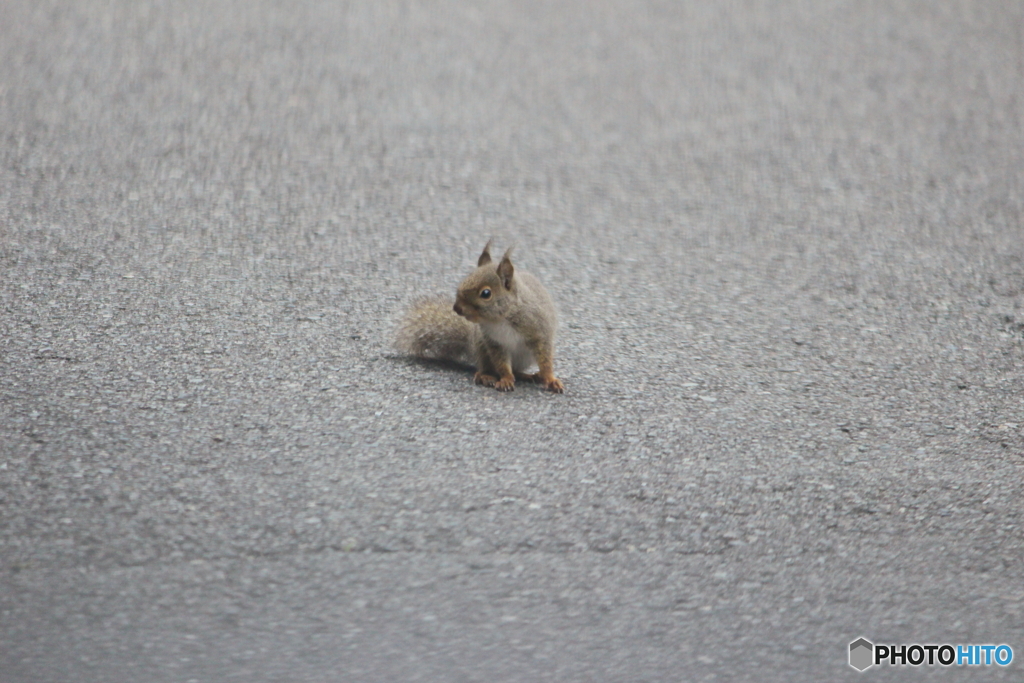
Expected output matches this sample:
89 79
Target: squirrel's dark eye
485 294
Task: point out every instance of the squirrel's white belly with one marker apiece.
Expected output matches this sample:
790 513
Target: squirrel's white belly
514 343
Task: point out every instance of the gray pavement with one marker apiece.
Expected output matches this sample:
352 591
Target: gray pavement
786 243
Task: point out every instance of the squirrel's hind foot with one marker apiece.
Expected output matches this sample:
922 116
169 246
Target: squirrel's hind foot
554 384
506 384
484 379
503 384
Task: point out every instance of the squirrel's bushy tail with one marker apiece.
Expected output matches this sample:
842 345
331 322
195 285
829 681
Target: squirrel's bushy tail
431 329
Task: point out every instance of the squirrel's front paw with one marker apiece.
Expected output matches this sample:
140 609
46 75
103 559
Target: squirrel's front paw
484 379
505 384
554 384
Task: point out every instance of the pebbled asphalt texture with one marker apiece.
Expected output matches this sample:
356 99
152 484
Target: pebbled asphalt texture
787 247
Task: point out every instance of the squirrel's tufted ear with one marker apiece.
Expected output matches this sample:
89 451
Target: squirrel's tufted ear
505 269
485 257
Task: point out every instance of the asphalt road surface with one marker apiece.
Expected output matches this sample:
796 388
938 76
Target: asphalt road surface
786 244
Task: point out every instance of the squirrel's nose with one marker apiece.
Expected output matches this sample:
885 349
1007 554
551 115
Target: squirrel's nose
457 308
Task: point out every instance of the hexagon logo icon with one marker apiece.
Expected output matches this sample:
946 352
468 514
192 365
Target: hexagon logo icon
862 653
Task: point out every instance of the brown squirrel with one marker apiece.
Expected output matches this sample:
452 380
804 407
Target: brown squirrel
503 320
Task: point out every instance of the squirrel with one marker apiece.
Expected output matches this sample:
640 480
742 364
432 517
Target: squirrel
503 321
